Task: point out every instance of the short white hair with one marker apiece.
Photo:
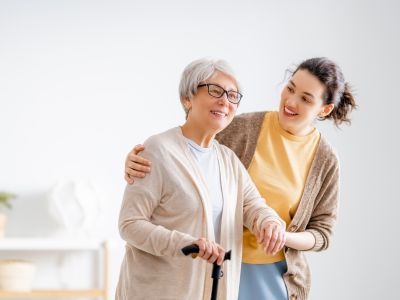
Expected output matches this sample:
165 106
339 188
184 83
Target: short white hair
199 71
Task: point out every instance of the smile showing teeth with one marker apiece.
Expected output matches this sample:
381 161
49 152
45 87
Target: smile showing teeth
218 113
289 112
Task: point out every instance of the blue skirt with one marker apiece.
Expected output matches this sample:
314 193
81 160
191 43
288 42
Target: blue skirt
263 282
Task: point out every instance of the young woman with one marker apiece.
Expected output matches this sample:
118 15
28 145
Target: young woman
294 169
197 193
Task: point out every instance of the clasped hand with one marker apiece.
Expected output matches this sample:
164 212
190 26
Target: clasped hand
272 236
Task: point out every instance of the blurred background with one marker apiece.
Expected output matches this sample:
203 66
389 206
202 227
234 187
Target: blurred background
82 82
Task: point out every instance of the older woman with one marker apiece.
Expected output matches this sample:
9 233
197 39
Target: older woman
198 192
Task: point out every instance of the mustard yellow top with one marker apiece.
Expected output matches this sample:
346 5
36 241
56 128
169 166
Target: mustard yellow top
279 169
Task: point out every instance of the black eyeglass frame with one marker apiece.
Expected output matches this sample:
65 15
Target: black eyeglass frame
225 92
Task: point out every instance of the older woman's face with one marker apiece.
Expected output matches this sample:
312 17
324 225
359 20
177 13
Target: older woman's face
213 114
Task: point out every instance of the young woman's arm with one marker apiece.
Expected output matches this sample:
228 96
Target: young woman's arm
300 240
323 216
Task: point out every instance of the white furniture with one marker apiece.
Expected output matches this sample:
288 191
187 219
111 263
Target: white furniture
42 245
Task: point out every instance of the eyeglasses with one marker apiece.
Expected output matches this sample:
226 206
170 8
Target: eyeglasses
217 92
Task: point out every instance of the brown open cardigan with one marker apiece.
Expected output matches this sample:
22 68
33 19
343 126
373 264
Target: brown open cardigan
317 210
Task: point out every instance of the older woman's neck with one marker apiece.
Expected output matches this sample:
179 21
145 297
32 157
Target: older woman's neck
199 135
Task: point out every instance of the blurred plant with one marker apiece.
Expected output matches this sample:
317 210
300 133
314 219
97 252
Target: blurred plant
5 199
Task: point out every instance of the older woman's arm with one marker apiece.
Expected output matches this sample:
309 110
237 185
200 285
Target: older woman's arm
258 217
136 228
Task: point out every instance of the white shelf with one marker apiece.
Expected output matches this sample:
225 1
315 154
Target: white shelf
48 244
59 244
98 293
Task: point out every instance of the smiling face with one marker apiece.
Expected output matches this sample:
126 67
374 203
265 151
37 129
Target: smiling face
212 114
301 103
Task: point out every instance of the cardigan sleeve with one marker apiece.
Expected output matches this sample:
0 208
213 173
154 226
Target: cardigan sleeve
140 200
323 217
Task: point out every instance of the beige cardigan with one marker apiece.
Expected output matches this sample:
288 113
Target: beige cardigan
317 210
168 209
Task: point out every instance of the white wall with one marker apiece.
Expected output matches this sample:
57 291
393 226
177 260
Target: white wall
81 82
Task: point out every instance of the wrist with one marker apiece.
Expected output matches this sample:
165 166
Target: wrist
289 238
276 220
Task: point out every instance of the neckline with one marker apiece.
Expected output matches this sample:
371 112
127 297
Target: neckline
197 147
192 143
287 135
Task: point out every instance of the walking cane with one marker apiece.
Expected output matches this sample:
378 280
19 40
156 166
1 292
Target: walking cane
216 271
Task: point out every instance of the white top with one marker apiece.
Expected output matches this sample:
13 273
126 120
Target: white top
208 163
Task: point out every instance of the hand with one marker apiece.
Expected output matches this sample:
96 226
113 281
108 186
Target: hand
272 236
135 165
210 251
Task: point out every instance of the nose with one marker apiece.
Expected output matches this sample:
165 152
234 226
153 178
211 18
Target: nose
291 100
224 98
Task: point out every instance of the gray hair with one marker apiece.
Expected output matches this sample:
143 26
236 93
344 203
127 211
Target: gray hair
199 71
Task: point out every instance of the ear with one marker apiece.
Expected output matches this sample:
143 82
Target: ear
187 103
326 110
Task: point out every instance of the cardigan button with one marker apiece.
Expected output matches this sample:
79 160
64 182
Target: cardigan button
293 228
293 297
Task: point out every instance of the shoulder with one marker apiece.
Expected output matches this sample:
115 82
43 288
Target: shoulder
162 143
249 118
328 150
242 124
326 155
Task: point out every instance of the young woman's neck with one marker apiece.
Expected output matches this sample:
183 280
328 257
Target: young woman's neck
296 131
197 134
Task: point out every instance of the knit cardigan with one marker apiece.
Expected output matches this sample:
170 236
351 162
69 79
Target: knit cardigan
169 209
318 205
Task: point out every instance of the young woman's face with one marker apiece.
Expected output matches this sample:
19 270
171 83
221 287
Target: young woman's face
301 103
210 113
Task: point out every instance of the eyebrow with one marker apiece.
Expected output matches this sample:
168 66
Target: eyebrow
237 91
309 94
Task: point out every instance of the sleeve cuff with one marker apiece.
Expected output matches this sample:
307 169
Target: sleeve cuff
185 240
319 240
